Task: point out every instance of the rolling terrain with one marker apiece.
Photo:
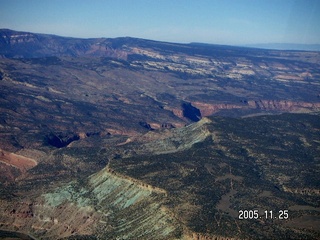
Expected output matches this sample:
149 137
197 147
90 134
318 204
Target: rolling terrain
130 138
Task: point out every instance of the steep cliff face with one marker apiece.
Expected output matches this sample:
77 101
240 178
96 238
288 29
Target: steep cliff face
284 105
24 44
208 109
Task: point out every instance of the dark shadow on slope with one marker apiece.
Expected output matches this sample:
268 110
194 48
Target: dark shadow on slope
61 140
191 112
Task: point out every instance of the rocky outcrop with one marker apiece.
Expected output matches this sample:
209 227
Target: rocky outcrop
12 165
208 109
24 44
108 205
121 131
173 140
145 125
176 111
167 125
284 105
187 111
17 161
139 183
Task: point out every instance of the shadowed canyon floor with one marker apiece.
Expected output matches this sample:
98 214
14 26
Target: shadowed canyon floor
136 139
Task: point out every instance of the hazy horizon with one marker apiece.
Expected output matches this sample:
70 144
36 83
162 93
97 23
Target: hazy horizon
229 22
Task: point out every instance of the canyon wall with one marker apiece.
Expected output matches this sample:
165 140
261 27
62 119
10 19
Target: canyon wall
208 109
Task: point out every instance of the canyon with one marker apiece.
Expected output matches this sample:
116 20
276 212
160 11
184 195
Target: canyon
129 138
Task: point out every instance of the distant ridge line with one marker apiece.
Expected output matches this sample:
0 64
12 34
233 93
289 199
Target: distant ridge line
286 46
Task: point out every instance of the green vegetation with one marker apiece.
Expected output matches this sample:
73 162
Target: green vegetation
263 159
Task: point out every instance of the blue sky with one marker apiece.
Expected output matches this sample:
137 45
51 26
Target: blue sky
210 21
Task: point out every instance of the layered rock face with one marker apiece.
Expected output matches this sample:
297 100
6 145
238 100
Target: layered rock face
106 205
279 106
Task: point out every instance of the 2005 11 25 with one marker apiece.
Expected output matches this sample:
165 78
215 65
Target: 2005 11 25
267 214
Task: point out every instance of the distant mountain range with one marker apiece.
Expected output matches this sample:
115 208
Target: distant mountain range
19 44
270 46
286 46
